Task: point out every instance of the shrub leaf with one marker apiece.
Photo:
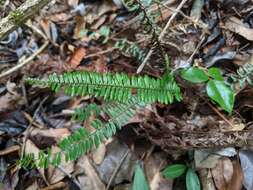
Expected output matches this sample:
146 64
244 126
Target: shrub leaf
194 75
192 180
140 182
174 171
221 94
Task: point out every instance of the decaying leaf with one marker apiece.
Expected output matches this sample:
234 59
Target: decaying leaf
77 57
90 180
237 26
237 178
222 173
246 158
54 174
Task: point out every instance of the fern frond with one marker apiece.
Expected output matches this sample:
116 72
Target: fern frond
82 141
81 114
130 48
244 75
117 87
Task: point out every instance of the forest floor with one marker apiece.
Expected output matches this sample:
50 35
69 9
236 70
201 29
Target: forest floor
203 141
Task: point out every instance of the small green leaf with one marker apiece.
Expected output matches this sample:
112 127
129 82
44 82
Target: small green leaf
192 180
174 171
194 75
215 73
222 94
140 182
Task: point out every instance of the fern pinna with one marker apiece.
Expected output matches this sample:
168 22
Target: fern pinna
82 141
116 87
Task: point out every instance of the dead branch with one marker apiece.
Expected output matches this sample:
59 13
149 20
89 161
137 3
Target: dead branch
20 15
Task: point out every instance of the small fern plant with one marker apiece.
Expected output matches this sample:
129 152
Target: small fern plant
128 95
243 76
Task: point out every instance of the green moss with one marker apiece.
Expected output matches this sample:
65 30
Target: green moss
16 16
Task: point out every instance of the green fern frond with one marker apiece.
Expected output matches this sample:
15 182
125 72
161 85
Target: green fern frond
117 87
82 141
81 114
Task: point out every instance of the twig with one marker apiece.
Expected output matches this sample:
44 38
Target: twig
117 169
161 35
23 63
221 116
20 15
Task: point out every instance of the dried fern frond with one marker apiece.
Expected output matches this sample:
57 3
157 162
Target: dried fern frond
117 87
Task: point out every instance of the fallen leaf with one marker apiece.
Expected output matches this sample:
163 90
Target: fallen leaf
54 174
206 179
98 155
237 178
236 25
246 158
31 148
56 134
222 173
205 159
153 165
77 57
91 180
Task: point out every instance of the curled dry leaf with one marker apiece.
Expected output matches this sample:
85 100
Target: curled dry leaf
237 26
237 178
222 173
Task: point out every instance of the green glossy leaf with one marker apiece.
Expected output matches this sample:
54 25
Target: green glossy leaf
194 75
192 180
140 182
221 94
174 171
215 73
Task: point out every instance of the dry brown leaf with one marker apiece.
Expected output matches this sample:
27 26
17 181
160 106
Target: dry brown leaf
206 179
222 173
98 154
73 3
153 165
57 134
237 179
236 25
77 57
31 148
55 175
59 185
91 181
10 101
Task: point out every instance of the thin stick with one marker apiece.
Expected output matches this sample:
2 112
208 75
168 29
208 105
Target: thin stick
23 63
222 116
161 35
117 169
